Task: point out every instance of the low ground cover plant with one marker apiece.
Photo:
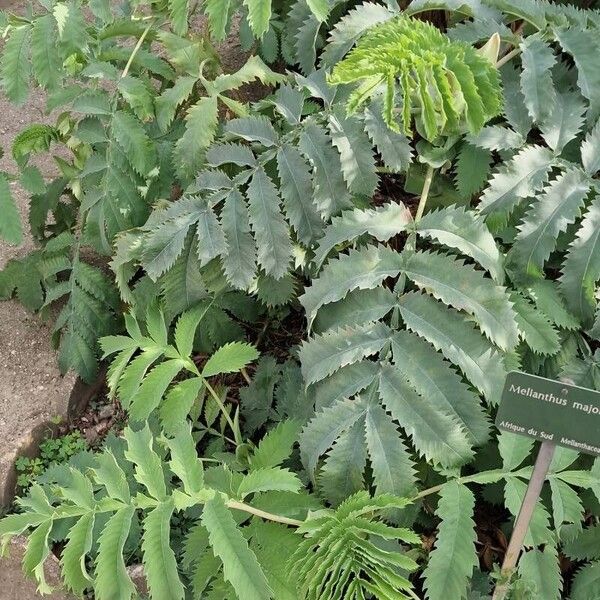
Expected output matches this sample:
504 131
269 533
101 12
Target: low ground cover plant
311 291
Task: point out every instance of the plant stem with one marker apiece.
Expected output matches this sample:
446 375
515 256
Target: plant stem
424 193
263 514
220 404
136 48
510 55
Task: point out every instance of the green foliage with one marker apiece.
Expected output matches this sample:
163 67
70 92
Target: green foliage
52 450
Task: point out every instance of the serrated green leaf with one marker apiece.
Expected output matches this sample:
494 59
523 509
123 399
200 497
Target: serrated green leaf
158 556
382 223
464 230
323 355
10 223
79 543
550 214
14 64
541 569
581 267
458 340
240 566
590 150
45 59
586 583
448 279
275 446
168 102
230 358
394 147
454 557
435 435
564 122
111 577
148 465
472 169
536 77
268 479
134 141
268 224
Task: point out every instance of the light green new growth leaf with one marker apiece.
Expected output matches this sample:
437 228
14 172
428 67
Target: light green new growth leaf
184 462
148 464
111 577
521 177
462 287
275 446
10 222
541 569
324 354
435 435
550 214
268 479
383 223
472 169
178 402
458 340
14 64
185 329
590 150
434 379
270 230
218 13
35 555
454 557
160 565
240 566
393 468
79 543
536 77
259 13
230 358
581 268
108 473
464 230
359 269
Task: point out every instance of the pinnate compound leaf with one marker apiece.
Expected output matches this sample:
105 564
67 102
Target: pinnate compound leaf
230 358
581 268
454 557
158 556
464 288
240 566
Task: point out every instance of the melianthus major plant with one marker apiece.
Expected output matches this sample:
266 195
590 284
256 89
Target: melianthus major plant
414 315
